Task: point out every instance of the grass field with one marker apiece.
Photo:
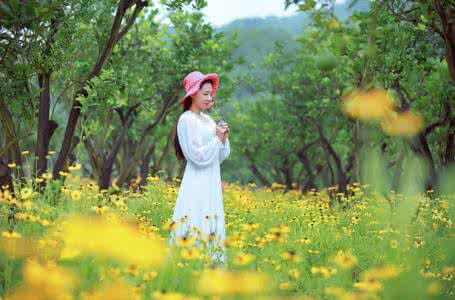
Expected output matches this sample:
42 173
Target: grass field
74 242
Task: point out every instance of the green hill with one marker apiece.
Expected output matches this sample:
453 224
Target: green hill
257 37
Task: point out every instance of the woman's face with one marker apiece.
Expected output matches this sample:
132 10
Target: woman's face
203 99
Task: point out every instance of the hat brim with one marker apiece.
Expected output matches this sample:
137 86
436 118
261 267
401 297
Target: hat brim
195 89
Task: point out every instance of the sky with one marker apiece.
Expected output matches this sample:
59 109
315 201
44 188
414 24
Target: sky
220 12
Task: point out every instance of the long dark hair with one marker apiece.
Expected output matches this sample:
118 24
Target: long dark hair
186 106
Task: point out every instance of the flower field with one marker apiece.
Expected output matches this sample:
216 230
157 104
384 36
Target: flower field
74 242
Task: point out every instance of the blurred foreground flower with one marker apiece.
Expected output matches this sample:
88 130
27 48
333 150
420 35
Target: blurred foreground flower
384 272
19 247
367 105
220 282
324 271
345 259
403 124
116 290
121 241
243 258
48 281
11 234
377 105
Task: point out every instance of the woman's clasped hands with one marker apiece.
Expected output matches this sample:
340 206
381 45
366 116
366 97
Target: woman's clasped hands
223 132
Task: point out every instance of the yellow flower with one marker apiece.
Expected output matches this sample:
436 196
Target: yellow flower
100 209
190 253
340 293
346 230
243 258
311 251
221 282
279 234
133 270
291 256
169 225
355 220
402 124
305 241
294 273
394 244
384 272
95 235
11 234
419 242
26 193
74 167
276 185
150 275
25 152
115 290
76 195
69 253
444 204
153 178
368 286
434 288
324 271
63 174
47 281
285 285
27 205
12 165
345 259
185 241
250 226
284 228
46 175
367 105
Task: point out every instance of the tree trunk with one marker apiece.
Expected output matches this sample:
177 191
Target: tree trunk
5 177
288 174
12 140
446 13
255 170
104 164
42 141
146 132
114 37
449 155
144 169
341 176
166 149
95 157
301 154
398 171
106 174
421 148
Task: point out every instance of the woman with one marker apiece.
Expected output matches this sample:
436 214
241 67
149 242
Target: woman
199 212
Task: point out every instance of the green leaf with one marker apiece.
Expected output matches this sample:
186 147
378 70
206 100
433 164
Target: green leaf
309 4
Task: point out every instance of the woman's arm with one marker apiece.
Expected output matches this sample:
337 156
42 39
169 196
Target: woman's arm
191 143
225 150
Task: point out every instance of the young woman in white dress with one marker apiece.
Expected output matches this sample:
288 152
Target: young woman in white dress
199 213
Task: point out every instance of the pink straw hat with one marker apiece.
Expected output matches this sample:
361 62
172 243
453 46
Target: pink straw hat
193 80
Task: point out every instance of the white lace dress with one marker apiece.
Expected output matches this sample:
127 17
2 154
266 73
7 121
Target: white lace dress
199 205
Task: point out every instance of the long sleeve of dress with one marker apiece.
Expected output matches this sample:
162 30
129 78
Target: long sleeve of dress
225 150
192 146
